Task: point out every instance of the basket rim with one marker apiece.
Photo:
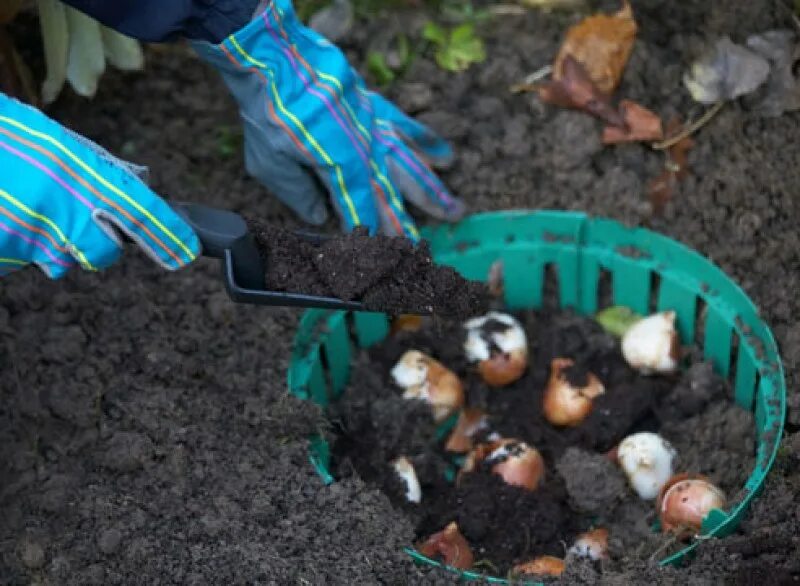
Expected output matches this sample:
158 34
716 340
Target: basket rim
611 242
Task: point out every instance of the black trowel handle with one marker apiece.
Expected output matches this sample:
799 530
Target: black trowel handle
224 235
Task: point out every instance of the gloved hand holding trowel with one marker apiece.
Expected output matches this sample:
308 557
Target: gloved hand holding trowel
312 131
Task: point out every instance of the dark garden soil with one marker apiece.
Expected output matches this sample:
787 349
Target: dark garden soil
146 435
582 488
390 275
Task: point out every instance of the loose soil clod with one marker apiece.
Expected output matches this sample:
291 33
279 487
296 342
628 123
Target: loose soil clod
391 275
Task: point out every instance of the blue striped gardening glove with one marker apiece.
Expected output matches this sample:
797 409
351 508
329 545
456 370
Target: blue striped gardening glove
64 201
312 129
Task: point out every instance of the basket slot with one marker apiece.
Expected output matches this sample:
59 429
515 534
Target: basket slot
551 299
336 351
631 285
568 277
745 383
655 287
717 344
370 328
529 292
761 412
674 295
310 381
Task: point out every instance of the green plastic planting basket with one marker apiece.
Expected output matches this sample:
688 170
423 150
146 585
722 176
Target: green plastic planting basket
647 272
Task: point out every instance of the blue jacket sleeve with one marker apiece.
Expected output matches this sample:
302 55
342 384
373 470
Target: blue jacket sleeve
164 20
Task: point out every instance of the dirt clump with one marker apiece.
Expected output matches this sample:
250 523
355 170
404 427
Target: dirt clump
391 275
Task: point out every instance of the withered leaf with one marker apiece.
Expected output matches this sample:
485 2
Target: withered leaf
575 89
642 125
781 49
725 73
602 44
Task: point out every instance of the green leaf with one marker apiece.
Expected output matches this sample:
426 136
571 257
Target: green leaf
462 34
435 34
617 320
376 64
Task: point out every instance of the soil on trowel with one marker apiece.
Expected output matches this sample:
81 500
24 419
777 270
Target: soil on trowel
583 487
387 274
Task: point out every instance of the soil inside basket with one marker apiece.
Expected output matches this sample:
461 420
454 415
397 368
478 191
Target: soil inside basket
386 274
583 488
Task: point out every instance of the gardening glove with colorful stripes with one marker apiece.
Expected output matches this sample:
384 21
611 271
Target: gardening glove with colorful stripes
64 201
311 127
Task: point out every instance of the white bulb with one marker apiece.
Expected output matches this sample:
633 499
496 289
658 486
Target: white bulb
508 340
411 370
651 344
405 470
647 459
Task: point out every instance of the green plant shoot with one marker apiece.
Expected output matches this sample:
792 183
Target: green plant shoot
457 49
617 320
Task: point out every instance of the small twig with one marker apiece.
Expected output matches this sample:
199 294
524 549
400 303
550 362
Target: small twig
485 563
689 129
530 82
507 10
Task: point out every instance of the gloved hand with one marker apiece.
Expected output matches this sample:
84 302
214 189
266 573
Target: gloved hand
63 198
311 127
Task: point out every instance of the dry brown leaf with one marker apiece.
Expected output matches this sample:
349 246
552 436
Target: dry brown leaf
676 168
602 44
643 125
575 89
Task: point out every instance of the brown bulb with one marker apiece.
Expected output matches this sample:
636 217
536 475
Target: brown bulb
448 546
545 565
683 503
565 404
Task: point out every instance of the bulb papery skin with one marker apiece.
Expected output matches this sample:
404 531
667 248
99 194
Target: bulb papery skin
517 464
647 460
652 345
424 378
545 565
405 470
565 404
684 502
411 370
592 544
509 339
449 545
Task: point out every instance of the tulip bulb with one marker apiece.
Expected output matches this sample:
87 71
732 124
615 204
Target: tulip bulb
448 546
647 460
651 345
545 565
405 470
685 501
424 378
470 422
567 404
517 463
498 344
592 544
